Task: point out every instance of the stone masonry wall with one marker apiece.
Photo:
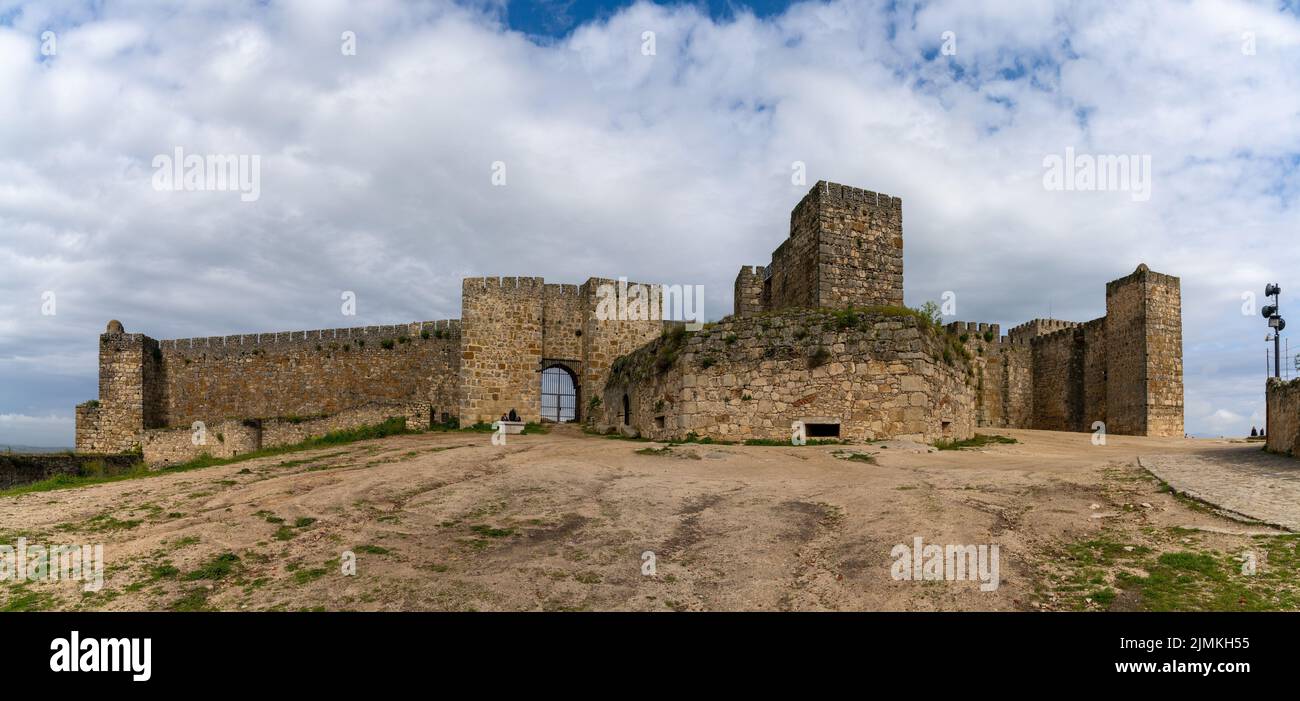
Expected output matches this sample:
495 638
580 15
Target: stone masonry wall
1004 368
229 438
24 468
1058 380
1283 430
859 247
845 248
749 295
512 325
563 309
751 378
147 384
1123 369
1018 383
1094 373
112 423
604 341
1144 355
501 321
308 373
1164 332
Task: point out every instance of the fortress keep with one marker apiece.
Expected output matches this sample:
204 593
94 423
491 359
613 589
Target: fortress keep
819 335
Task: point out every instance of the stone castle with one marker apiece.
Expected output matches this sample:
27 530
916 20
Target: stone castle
819 336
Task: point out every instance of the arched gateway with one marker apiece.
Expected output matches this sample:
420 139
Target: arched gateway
559 394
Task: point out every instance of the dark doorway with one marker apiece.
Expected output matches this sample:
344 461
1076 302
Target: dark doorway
627 411
822 430
559 395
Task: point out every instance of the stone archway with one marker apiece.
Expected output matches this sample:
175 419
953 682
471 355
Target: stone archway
559 394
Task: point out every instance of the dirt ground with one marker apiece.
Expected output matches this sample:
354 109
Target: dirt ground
448 521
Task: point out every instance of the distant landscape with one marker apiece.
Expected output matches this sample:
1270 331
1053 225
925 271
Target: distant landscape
6 448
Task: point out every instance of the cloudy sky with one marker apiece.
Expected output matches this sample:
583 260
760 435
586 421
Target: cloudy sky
670 162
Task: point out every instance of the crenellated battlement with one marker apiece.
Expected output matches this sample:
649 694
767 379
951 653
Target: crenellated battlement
973 328
562 291
441 329
825 193
504 284
1142 274
1055 335
1040 327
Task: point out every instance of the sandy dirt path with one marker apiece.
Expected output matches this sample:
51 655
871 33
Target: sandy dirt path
447 521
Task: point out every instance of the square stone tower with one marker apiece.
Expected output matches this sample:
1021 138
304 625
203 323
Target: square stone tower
845 249
130 394
1144 355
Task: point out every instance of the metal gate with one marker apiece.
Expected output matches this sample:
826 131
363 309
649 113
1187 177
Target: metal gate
559 395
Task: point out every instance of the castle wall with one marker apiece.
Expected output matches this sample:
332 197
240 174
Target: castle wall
1094 373
308 373
1058 380
232 437
1034 328
845 248
112 423
24 468
749 298
751 378
1123 369
859 247
792 274
1283 430
1003 367
605 340
147 384
510 325
1144 384
1017 383
1164 331
563 312
501 323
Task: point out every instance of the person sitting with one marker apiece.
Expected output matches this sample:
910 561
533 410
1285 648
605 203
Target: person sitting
514 416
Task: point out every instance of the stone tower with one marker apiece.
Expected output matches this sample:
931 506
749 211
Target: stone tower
130 393
1144 355
845 248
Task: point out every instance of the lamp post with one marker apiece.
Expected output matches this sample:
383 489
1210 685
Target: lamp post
1275 322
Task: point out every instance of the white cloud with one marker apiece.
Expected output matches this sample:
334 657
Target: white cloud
673 167
36 431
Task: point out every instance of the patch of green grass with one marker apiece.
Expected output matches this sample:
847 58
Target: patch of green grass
303 521
164 571
311 575
373 549
183 542
284 533
24 599
102 523
491 532
1184 580
979 440
192 600
216 568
